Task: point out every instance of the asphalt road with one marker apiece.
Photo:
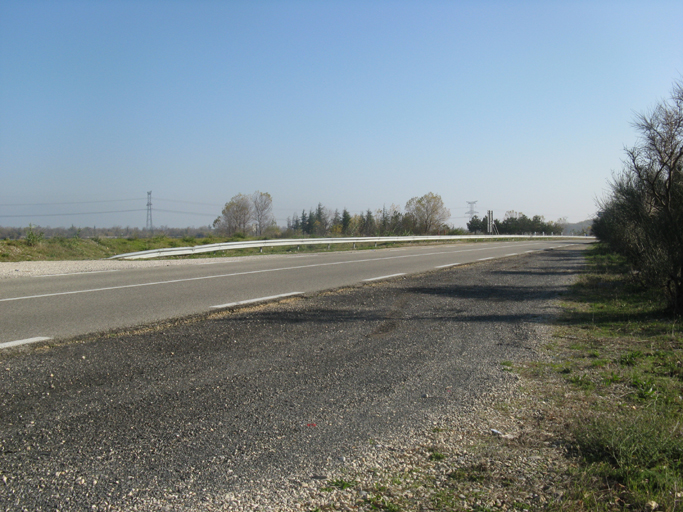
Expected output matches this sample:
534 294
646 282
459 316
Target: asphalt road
261 403
64 306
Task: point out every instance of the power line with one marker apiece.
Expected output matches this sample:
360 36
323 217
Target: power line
70 214
187 202
186 213
75 202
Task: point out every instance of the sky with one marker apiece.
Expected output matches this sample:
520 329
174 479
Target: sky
518 105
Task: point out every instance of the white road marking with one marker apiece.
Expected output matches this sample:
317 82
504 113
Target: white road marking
484 259
512 254
449 265
16 343
76 273
383 277
173 281
260 299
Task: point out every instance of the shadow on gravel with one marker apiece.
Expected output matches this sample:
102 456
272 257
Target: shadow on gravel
332 316
491 292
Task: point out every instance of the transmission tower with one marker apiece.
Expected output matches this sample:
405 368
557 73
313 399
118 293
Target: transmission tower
471 212
149 226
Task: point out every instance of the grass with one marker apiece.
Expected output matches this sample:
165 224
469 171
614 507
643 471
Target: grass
627 369
36 248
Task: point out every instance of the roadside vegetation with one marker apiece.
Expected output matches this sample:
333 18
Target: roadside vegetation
61 248
618 376
641 217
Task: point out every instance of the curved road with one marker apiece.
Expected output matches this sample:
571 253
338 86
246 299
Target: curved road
35 309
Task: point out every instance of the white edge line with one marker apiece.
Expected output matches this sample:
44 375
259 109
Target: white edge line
484 259
251 301
383 277
16 343
449 265
512 254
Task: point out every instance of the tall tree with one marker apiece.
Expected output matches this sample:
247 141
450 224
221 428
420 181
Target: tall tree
236 216
345 221
262 204
476 225
428 212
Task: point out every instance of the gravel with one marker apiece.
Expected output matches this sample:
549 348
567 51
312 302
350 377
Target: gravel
13 269
390 389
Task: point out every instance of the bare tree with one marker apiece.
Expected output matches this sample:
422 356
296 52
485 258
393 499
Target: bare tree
262 204
643 217
428 212
236 216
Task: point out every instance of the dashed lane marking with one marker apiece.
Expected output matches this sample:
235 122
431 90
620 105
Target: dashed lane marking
383 277
252 301
16 343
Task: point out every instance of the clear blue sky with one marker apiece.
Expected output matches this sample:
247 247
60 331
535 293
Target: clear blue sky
520 105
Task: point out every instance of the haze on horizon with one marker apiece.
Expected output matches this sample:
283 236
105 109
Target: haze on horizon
522 106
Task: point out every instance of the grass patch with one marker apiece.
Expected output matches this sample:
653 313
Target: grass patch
339 483
622 352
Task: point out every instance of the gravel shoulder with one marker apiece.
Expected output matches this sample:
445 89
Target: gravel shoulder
13 269
389 388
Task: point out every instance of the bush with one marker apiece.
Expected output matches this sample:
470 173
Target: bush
641 218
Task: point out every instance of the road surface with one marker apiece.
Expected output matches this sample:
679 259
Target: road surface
56 307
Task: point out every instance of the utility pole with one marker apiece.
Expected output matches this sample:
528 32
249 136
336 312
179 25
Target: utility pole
492 229
149 226
471 212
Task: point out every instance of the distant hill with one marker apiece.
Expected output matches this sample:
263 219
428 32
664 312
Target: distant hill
579 228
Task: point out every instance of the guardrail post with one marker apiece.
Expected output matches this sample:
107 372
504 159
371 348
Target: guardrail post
260 249
354 245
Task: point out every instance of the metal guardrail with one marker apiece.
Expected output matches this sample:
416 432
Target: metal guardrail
260 244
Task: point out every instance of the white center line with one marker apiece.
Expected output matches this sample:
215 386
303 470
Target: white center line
260 299
16 343
383 277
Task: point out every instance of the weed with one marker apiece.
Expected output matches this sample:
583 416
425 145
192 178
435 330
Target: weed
583 381
612 378
436 456
382 503
630 359
33 238
342 484
645 387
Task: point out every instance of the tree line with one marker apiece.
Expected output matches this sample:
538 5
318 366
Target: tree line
641 217
518 224
423 215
